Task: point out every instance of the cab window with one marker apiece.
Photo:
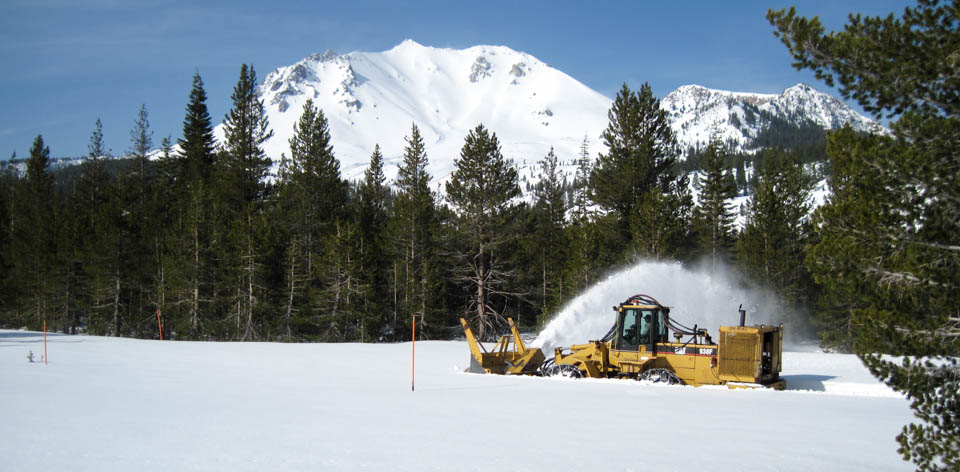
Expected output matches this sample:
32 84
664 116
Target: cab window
636 328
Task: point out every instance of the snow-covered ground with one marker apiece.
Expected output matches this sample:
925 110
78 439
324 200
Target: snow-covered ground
119 404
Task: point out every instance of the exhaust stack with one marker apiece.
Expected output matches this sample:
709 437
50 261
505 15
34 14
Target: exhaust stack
743 315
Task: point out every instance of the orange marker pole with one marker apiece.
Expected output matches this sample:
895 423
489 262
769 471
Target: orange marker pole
44 342
413 354
159 324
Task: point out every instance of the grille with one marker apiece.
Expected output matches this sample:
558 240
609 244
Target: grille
737 357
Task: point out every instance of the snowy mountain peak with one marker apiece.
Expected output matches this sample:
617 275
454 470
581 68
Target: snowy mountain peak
373 98
699 113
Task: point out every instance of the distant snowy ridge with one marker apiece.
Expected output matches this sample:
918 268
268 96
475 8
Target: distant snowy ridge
373 98
697 113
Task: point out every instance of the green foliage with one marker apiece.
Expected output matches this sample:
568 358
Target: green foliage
713 216
634 181
197 145
373 209
245 129
924 42
641 156
482 191
545 242
414 229
887 256
242 194
189 265
33 238
807 139
773 243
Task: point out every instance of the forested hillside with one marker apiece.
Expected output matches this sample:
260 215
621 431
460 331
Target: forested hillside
199 240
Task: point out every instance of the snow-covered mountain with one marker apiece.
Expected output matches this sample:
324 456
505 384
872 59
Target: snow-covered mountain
697 113
374 97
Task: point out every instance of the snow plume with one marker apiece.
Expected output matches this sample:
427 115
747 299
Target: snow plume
701 296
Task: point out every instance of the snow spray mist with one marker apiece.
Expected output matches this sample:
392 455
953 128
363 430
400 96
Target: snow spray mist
705 297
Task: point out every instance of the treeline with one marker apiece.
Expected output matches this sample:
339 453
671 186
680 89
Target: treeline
205 242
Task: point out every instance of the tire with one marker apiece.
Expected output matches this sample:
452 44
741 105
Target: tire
550 369
661 376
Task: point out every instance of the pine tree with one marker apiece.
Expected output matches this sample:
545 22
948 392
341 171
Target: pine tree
192 265
34 237
482 190
372 214
548 237
713 216
245 129
641 154
414 230
343 288
313 198
198 144
97 202
774 240
662 225
580 263
888 249
65 300
242 196
137 187
742 188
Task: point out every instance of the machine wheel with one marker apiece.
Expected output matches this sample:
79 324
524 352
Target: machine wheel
664 376
550 369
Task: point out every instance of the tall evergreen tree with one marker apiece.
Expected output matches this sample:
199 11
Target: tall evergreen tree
242 195
714 215
888 245
197 146
648 207
191 267
34 237
482 190
245 128
313 198
774 240
580 263
641 154
548 236
98 207
372 214
137 187
414 230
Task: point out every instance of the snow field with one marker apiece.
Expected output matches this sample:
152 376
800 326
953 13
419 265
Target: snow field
120 404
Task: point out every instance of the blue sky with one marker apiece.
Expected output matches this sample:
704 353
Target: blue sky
67 62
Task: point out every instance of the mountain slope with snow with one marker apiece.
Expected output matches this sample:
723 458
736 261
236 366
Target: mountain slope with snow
697 114
374 97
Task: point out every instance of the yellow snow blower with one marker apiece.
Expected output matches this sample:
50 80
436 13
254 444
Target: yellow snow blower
638 347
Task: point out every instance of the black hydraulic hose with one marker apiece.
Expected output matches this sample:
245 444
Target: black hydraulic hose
610 334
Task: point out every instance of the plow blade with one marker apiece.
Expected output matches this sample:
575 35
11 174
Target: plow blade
509 356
